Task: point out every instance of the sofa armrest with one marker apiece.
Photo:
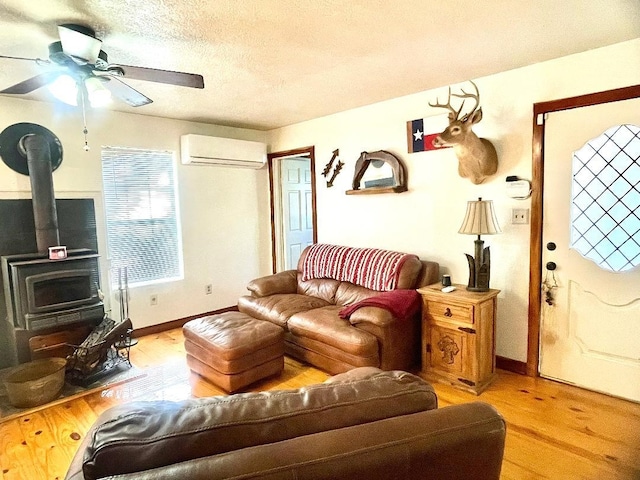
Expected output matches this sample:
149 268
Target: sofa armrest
381 317
282 282
429 275
399 338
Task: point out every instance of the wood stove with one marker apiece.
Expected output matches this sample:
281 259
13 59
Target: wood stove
43 293
51 304
44 297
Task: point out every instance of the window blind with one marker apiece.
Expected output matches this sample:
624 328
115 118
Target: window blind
143 234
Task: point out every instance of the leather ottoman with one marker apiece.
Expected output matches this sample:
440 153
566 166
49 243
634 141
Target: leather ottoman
233 350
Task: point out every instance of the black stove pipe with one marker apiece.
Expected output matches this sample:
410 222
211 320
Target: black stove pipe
45 214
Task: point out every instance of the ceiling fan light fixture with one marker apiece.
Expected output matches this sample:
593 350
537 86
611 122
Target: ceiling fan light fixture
79 42
65 89
99 95
78 54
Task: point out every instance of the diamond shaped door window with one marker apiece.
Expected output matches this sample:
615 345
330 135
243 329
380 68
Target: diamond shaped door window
605 210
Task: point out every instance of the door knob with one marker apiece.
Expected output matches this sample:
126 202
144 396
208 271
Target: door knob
551 246
551 266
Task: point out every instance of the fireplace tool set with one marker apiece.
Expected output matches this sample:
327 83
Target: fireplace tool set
107 346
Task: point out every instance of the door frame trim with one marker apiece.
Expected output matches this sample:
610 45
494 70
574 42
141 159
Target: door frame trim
304 151
535 252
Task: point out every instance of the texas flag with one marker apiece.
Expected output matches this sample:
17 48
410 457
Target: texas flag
417 139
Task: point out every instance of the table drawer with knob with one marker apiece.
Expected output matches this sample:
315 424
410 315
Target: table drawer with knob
449 312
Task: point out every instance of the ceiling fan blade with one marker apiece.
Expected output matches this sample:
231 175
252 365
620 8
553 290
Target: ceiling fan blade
24 58
182 79
124 92
31 84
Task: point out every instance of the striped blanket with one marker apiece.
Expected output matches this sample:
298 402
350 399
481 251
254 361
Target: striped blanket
368 267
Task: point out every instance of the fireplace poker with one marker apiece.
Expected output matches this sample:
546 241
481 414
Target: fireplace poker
126 293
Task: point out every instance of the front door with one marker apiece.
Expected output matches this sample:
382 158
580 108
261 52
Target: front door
590 313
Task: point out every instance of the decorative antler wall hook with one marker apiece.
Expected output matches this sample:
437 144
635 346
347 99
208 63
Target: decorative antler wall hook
336 171
328 166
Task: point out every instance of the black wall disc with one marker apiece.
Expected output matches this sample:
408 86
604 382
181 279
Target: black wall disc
10 150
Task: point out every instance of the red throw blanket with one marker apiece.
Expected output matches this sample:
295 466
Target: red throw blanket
401 303
368 267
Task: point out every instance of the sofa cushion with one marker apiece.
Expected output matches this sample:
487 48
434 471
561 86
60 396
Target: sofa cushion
324 325
279 308
349 293
326 357
140 436
325 288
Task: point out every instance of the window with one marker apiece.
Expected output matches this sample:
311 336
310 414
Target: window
143 232
605 213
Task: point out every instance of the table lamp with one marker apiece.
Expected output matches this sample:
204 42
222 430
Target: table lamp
480 219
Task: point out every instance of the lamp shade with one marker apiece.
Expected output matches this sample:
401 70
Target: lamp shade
480 219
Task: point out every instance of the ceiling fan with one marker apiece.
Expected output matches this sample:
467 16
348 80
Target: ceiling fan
84 67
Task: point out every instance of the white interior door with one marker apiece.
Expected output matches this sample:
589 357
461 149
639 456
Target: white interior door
590 327
297 225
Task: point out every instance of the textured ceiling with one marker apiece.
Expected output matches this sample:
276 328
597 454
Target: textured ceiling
271 63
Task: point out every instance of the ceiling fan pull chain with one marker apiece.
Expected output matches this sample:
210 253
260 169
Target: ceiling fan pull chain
86 144
84 121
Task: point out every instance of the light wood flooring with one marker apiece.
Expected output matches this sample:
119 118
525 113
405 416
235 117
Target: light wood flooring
554 431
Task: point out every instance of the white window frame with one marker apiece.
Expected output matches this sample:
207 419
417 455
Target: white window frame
136 208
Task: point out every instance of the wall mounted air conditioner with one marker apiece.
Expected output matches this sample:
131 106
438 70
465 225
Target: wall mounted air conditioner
204 150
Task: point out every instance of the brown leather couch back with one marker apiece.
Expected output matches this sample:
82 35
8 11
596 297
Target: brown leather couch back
461 442
144 435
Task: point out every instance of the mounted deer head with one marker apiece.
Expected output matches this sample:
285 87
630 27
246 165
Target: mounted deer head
477 157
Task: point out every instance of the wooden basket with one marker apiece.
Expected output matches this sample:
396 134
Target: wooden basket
35 383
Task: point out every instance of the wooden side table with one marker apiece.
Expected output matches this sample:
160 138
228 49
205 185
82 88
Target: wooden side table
458 336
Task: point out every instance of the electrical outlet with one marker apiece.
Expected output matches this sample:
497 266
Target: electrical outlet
153 299
208 289
520 216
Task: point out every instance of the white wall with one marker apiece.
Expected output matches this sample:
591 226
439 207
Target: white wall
426 219
224 211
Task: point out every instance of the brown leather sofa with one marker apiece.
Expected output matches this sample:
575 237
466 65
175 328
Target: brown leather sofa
308 310
365 423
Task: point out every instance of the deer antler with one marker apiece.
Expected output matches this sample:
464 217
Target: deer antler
476 97
454 114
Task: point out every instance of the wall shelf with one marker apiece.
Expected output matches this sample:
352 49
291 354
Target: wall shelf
377 190
379 158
